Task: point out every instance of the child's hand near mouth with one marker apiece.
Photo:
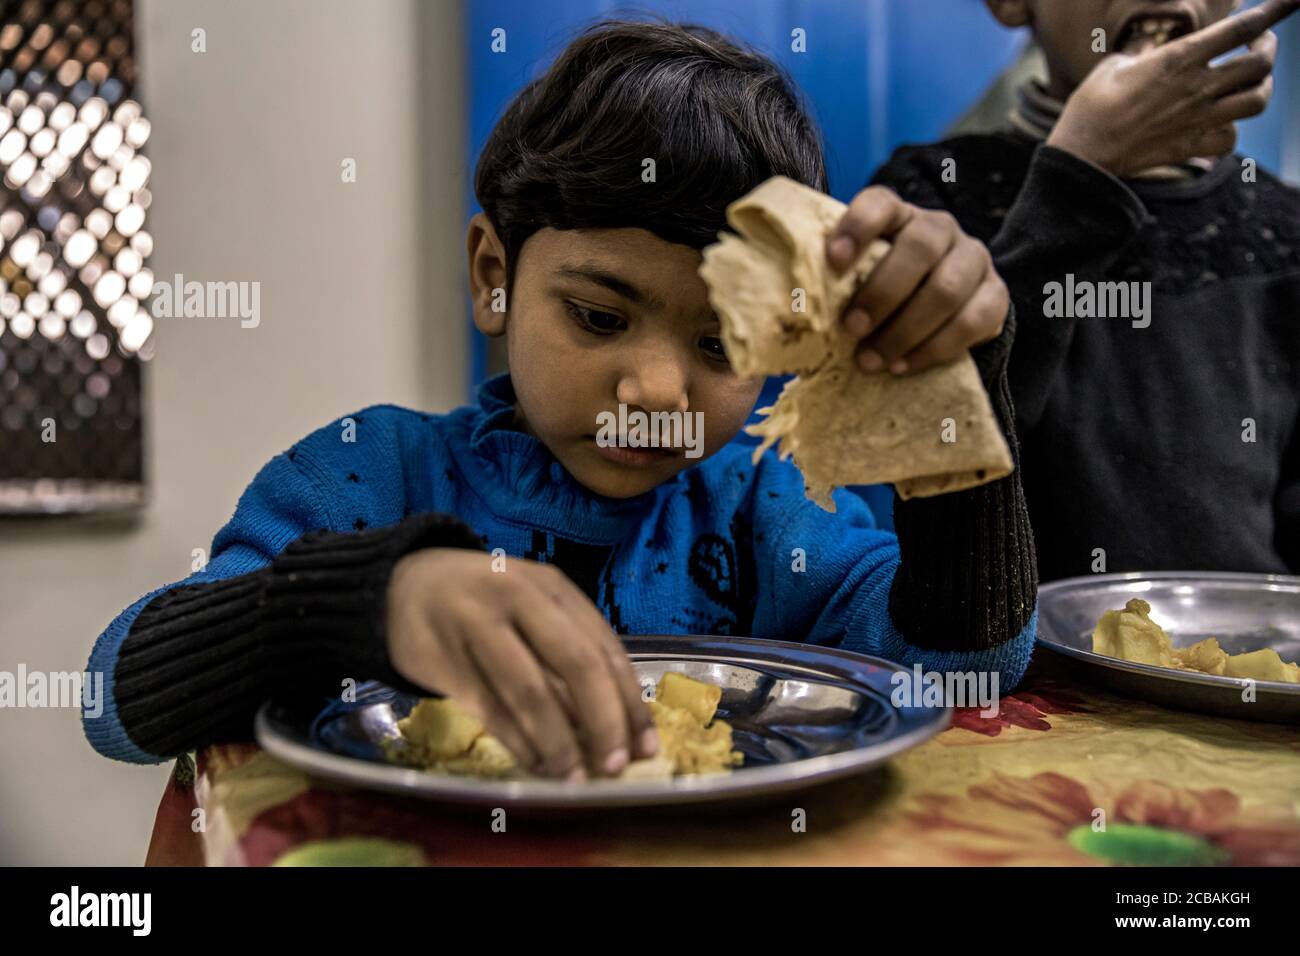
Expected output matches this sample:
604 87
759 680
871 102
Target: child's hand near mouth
526 652
1169 104
933 297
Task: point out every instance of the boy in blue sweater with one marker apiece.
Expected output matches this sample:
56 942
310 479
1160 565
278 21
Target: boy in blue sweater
494 553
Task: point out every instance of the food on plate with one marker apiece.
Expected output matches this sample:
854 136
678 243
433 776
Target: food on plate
779 304
698 698
1205 656
1131 635
689 737
438 735
437 729
1264 664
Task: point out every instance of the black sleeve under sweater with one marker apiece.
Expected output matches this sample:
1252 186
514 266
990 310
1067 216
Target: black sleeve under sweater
200 659
967 579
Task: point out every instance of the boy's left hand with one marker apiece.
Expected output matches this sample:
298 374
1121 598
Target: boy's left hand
931 299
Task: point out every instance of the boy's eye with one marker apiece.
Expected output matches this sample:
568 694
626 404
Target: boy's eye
600 323
713 346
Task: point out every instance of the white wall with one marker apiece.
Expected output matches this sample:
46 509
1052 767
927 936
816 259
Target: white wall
361 301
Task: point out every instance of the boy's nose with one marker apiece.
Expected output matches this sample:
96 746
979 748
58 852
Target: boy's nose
654 388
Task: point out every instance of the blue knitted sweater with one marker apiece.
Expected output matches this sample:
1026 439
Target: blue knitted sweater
725 547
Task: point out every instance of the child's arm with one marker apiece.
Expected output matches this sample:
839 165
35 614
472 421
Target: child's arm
955 591
967 585
283 603
283 607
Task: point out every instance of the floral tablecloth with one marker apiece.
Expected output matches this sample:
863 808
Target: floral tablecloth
1065 774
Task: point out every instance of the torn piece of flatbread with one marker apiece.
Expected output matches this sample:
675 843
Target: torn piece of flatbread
779 303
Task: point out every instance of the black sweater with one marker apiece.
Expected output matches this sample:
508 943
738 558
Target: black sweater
1136 441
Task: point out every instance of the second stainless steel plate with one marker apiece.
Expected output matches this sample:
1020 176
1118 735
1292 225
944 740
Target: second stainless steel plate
1244 612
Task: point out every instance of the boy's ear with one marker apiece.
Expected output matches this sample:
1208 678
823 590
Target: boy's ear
487 274
1011 13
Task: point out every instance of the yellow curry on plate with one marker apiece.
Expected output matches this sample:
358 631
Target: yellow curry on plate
439 736
1131 635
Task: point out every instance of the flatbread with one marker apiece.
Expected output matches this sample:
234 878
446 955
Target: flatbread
779 303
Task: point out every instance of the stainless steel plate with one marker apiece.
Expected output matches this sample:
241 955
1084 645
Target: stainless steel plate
801 715
1245 612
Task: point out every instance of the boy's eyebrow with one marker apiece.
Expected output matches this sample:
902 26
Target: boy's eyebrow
615 284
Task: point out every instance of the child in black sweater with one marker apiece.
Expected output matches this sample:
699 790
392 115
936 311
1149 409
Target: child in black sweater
1156 276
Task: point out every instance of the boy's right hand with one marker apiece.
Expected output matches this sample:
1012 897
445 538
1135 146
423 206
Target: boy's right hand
526 652
1169 104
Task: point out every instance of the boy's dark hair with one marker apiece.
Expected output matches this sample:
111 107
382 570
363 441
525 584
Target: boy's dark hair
716 118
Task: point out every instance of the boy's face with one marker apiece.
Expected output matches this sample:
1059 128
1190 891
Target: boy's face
1064 29
599 317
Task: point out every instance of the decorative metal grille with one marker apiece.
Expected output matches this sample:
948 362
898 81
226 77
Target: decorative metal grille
74 280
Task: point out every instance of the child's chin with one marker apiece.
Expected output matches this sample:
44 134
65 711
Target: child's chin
613 482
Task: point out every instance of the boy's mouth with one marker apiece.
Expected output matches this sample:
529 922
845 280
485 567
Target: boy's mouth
1150 29
630 455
